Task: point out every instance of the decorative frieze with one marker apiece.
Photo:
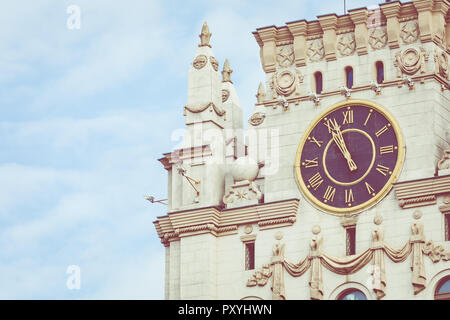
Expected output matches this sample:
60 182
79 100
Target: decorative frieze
346 44
409 32
220 222
417 247
410 61
421 192
378 38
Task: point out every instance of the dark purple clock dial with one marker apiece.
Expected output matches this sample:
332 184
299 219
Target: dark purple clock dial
349 156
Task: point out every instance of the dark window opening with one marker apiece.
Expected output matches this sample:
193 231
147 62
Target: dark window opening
380 71
319 82
349 77
250 256
351 240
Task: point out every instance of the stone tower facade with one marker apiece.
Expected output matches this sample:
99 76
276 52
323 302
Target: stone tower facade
248 218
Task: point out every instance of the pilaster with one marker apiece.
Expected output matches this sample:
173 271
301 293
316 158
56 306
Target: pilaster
359 18
298 30
267 36
391 11
328 24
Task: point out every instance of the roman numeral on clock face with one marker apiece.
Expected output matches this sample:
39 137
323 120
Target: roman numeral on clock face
310 163
382 169
369 188
348 116
387 149
314 140
328 123
349 196
381 131
315 181
329 194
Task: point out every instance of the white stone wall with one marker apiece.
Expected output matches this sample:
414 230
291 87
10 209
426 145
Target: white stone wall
206 267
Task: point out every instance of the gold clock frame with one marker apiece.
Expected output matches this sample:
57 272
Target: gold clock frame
378 196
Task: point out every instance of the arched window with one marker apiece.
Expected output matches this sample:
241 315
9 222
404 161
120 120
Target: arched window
443 289
319 82
349 77
380 71
352 294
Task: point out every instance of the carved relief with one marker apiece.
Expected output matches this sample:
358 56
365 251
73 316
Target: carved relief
441 62
409 32
346 44
214 63
315 50
378 38
286 82
200 61
411 60
257 118
444 163
242 193
225 95
285 56
200 108
416 247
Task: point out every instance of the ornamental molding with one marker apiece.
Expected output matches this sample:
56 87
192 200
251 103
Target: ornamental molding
378 38
409 61
180 155
214 63
423 192
257 118
346 44
221 222
409 31
285 56
200 108
286 82
225 95
200 61
441 62
315 51
417 247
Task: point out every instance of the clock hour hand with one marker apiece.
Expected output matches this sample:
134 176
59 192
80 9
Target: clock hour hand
339 139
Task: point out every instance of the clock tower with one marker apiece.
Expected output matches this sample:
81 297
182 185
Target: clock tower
341 189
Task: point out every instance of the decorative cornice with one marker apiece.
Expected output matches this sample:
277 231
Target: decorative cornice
423 192
178 155
220 222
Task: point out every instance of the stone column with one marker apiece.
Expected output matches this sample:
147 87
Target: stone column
359 18
328 24
391 11
440 10
267 36
298 30
423 8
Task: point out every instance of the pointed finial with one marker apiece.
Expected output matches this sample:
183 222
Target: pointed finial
261 95
226 73
205 36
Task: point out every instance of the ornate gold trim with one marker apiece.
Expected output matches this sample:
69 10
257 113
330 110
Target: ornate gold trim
395 173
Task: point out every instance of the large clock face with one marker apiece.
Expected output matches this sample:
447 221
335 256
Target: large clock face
349 157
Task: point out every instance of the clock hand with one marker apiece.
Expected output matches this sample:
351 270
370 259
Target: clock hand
339 139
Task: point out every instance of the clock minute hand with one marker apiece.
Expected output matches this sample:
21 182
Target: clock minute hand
337 137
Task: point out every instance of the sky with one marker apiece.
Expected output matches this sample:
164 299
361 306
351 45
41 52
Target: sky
86 111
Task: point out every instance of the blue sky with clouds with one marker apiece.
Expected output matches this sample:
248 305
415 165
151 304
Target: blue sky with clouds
86 113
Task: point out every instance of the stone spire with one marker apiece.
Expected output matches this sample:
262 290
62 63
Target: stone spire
261 95
226 73
205 36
